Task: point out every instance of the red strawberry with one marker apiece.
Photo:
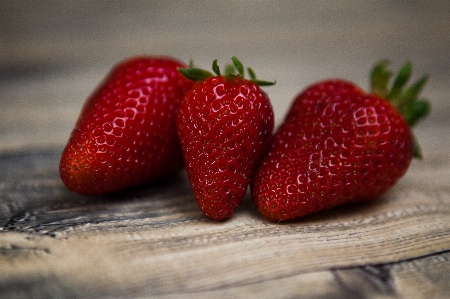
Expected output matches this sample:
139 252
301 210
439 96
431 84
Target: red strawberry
339 144
224 124
126 133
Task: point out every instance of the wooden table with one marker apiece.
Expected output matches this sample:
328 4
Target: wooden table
153 241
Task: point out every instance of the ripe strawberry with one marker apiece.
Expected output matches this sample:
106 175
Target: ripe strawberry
339 144
126 133
224 124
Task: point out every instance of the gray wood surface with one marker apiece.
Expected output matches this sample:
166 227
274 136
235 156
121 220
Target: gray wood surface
153 242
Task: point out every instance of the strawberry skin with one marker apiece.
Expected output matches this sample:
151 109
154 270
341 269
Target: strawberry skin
337 145
126 132
224 125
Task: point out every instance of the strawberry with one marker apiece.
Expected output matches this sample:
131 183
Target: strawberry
126 133
339 144
224 124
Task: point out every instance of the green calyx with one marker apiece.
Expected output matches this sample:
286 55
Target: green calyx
197 74
405 99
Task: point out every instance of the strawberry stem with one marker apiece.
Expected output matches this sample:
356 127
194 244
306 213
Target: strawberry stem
407 100
197 74
229 69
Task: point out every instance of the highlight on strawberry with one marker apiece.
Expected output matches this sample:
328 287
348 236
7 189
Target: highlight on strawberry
339 144
224 124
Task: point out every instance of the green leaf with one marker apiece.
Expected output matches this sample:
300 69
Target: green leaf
417 150
237 63
216 68
419 110
195 74
414 90
264 83
251 73
400 81
380 78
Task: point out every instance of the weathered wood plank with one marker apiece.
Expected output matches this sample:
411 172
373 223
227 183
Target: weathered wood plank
154 240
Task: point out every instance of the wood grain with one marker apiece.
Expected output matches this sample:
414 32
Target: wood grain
154 241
